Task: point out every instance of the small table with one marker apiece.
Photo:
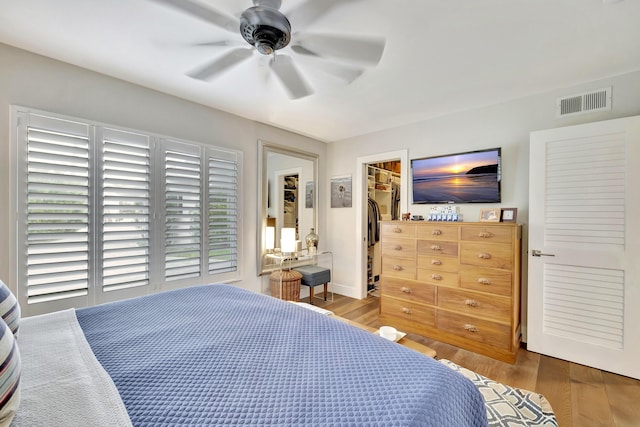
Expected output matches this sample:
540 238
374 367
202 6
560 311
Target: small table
413 345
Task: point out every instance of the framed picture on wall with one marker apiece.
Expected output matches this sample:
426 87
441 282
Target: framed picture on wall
509 214
341 191
490 215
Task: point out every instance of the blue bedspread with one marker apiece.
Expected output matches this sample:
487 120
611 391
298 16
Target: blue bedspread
217 354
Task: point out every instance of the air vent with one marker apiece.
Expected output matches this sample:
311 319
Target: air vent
587 102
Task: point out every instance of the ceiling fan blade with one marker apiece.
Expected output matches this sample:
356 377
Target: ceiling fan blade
311 10
347 74
363 49
286 71
208 14
221 43
342 71
221 64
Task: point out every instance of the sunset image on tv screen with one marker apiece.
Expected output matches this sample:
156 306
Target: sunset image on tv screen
458 178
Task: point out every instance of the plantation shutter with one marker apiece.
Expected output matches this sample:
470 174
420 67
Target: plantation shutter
126 209
58 221
105 214
183 211
222 211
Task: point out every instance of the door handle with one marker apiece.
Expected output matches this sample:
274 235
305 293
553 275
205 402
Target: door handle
536 252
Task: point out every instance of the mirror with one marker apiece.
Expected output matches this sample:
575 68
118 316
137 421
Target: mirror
287 195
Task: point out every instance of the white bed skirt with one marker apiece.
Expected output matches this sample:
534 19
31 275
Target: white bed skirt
62 382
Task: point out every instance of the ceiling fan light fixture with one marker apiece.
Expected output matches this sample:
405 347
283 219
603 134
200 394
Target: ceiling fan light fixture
265 28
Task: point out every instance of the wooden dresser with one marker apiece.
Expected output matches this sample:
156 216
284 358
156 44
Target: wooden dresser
457 283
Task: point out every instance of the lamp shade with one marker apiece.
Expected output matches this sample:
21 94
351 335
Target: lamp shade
288 240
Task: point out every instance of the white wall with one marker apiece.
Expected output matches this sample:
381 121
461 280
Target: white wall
505 125
34 81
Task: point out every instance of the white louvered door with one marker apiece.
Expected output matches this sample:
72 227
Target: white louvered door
584 245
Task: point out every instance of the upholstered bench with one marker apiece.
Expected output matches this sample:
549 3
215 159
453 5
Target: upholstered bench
312 276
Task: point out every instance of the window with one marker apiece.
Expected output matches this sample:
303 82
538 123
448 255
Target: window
112 213
183 212
56 241
222 205
124 172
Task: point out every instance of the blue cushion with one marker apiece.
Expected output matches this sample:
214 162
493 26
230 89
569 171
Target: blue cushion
9 308
9 375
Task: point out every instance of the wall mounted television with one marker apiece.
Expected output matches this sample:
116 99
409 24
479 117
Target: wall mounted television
469 177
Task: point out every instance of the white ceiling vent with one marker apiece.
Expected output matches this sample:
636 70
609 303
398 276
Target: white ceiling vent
581 103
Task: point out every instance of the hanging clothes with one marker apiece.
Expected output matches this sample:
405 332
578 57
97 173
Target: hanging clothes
395 201
373 222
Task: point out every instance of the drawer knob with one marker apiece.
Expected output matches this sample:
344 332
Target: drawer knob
436 277
484 281
436 232
397 230
470 328
436 262
398 248
406 310
397 267
485 234
405 290
436 247
484 256
471 303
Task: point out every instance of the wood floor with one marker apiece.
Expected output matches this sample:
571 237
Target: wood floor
580 396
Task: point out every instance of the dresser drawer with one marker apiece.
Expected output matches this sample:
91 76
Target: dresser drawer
403 229
402 268
487 280
486 255
408 290
407 310
437 231
434 247
482 331
403 248
439 263
485 306
441 278
489 234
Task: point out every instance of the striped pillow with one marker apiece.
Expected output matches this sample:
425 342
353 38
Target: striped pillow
9 308
9 375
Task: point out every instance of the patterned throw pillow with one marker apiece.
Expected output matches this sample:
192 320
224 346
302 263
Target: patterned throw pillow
9 375
509 406
9 308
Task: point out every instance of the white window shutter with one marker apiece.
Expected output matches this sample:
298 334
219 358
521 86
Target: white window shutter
182 211
125 202
58 219
106 213
222 196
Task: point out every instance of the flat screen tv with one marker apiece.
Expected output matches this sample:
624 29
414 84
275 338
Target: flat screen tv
471 177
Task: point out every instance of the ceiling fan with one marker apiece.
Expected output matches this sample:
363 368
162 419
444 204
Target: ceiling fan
267 30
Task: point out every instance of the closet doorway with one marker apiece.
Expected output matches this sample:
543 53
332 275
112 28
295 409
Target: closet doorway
382 195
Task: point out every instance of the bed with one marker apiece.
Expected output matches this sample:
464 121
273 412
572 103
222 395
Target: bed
218 354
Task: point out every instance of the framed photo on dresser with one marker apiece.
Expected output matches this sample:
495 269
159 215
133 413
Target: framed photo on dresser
490 215
509 214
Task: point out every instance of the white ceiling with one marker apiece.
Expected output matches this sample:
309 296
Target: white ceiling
440 56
